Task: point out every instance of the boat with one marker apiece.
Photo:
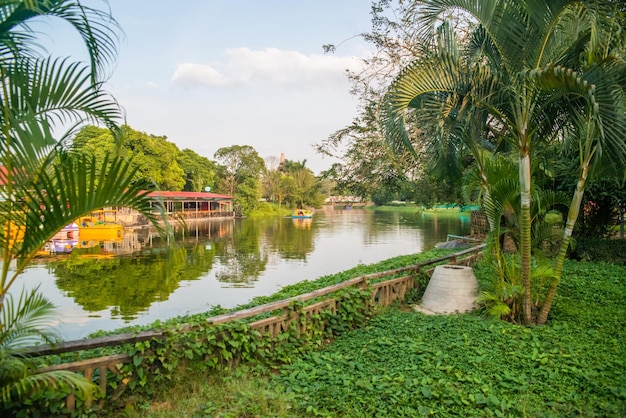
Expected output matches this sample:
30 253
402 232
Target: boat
69 232
13 233
63 246
301 214
100 226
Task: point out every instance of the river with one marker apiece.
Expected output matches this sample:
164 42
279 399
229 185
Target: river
221 262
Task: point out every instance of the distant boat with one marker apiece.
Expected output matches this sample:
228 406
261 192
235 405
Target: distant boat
100 226
69 232
57 246
63 245
301 214
13 233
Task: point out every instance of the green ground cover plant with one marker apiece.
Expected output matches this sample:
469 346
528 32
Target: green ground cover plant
408 364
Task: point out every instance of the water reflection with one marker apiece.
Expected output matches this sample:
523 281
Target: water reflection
143 277
240 261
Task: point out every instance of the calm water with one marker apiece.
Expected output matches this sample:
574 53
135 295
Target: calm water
226 262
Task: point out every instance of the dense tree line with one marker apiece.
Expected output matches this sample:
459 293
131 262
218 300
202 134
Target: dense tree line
236 170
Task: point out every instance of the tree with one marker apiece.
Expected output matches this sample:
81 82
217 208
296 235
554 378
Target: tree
44 101
241 168
155 158
300 186
271 186
370 167
539 72
199 170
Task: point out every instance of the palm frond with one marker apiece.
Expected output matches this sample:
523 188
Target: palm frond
19 387
98 30
74 185
26 322
56 92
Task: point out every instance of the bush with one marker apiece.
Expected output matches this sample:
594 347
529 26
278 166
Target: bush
594 249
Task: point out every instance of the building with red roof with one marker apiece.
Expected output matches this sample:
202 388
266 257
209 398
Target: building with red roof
194 205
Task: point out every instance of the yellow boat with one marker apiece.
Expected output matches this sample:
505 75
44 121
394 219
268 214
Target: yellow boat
301 214
13 233
100 226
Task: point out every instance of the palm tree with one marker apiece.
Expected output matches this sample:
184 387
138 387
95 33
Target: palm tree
544 72
43 101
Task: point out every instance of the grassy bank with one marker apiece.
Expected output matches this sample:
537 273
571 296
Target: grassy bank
403 363
411 208
269 209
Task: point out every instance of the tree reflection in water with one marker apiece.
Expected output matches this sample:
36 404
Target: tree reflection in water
129 285
128 277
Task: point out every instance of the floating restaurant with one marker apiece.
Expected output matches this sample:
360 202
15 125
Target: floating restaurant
194 205
181 205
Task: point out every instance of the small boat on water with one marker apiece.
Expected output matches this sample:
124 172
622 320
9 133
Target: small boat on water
301 214
57 246
63 246
13 233
69 232
101 225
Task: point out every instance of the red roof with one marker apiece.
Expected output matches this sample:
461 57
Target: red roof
189 195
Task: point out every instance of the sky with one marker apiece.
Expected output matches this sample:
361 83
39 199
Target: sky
209 74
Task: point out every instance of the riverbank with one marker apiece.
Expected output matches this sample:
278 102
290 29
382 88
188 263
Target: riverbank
268 209
411 208
404 363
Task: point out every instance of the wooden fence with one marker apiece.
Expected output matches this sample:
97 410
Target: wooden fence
384 293
479 223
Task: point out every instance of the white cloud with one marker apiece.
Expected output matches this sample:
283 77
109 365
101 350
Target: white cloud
268 67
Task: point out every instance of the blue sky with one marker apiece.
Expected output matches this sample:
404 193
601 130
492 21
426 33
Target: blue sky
209 74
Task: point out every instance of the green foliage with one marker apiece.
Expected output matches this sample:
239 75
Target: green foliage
239 174
516 76
409 364
224 347
499 277
199 171
193 345
610 251
26 322
294 185
500 288
603 201
265 209
44 188
153 157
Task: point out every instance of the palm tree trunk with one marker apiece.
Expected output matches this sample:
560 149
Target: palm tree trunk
486 197
572 216
524 180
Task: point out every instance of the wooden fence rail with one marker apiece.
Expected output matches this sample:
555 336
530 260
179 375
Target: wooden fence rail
384 293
